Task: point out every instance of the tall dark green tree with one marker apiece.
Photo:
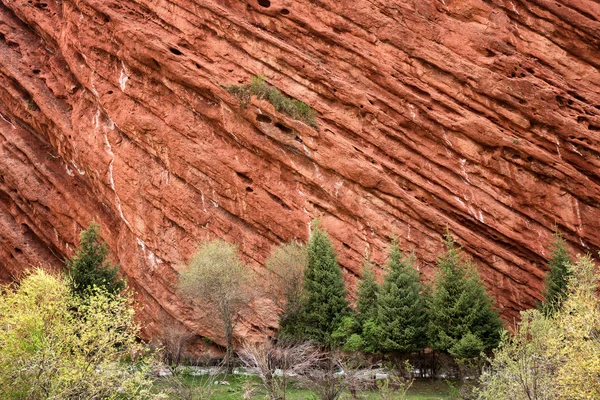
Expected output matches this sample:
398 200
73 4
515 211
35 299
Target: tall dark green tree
325 301
462 319
558 277
366 296
401 313
89 267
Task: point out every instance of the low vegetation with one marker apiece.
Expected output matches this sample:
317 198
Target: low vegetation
55 344
262 90
74 336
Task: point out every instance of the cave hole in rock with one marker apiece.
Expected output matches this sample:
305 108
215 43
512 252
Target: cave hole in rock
581 119
198 66
249 189
489 53
345 245
36 71
594 127
41 6
18 250
284 11
298 139
109 92
283 128
361 106
264 3
175 51
244 177
370 102
578 97
263 118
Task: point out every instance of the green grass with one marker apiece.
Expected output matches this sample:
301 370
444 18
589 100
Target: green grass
259 88
424 389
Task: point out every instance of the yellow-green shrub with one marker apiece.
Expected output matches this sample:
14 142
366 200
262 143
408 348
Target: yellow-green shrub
54 345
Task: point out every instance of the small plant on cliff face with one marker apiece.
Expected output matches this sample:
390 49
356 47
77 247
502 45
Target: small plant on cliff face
259 88
89 267
216 275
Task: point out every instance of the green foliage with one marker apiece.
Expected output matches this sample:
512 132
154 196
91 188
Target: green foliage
552 356
349 327
326 303
286 265
259 88
460 306
558 276
217 276
401 314
366 297
89 267
57 345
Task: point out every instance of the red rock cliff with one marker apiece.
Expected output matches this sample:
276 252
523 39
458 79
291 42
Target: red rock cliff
479 115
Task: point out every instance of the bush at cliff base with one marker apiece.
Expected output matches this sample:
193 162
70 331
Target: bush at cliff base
556 355
54 345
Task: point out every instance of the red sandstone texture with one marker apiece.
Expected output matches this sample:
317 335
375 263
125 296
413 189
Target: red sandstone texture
480 116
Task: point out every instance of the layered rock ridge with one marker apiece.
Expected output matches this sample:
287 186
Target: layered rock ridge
482 117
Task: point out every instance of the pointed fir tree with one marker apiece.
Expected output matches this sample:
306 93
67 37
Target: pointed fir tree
558 277
401 313
462 320
325 302
89 267
366 297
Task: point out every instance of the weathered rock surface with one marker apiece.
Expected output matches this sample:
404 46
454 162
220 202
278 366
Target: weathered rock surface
482 116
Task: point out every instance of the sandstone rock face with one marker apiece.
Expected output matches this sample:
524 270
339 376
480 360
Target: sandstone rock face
480 116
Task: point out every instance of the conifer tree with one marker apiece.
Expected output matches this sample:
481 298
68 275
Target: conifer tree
366 297
462 320
401 314
325 303
558 277
89 267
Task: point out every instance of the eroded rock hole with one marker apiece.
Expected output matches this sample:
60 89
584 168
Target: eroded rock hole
283 128
284 11
594 127
175 51
109 92
298 139
264 3
244 177
264 118
18 250
36 71
249 189
581 120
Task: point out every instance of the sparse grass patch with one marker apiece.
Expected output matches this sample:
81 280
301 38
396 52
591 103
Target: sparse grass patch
259 88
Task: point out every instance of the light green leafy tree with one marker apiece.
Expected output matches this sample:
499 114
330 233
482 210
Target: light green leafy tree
216 275
57 345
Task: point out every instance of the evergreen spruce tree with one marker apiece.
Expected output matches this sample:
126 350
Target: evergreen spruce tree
462 320
558 277
366 297
89 267
401 314
325 301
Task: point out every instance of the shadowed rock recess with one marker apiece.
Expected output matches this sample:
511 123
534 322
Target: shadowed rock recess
479 116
